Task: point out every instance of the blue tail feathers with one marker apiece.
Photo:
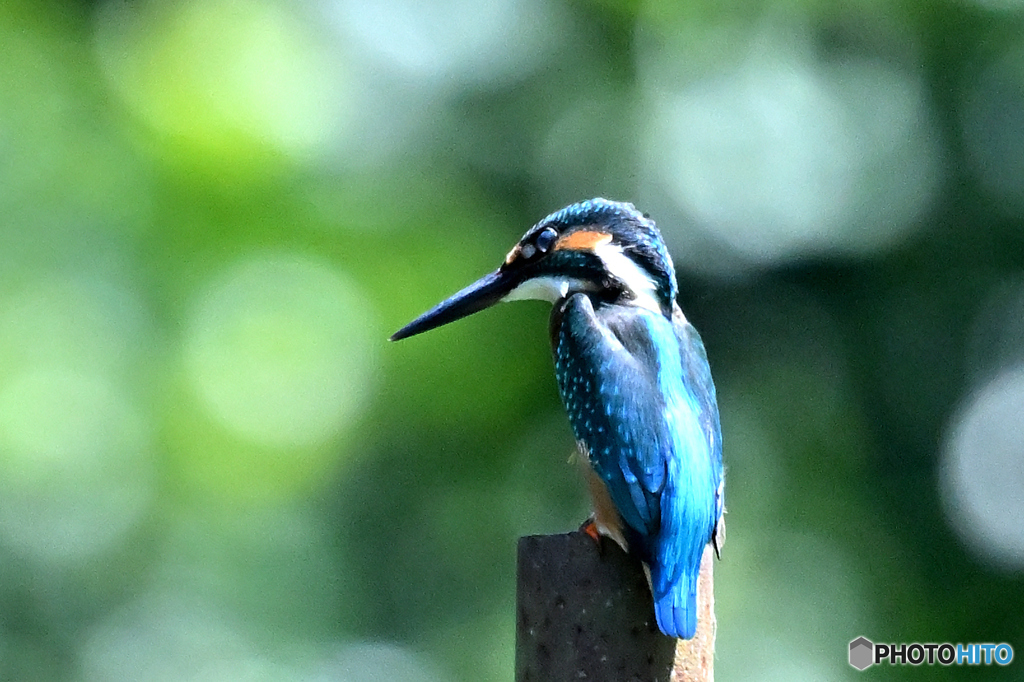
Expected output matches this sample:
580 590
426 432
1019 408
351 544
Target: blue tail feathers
676 609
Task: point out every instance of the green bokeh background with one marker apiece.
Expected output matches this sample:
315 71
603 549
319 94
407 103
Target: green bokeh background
213 465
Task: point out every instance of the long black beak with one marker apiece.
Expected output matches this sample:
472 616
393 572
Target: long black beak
481 294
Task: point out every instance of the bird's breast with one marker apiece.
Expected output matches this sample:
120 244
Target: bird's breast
606 516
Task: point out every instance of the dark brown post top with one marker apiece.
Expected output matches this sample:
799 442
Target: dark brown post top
584 612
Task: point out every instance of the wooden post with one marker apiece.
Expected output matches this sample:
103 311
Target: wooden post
695 658
584 612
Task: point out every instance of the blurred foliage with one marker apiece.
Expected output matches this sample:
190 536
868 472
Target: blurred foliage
212 215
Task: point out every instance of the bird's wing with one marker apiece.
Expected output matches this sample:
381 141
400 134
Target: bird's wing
607 370
697 378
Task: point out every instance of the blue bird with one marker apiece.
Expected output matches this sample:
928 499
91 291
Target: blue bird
635 381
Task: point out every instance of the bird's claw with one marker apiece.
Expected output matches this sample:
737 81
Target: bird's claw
590 528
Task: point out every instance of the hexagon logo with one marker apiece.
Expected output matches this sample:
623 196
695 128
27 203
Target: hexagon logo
862 653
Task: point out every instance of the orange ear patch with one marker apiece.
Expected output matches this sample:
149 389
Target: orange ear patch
583 241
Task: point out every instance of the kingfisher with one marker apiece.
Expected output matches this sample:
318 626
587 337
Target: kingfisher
635 382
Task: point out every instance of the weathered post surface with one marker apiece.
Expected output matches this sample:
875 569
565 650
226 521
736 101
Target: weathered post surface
584 612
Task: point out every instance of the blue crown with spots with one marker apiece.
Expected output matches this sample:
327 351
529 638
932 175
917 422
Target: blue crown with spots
592 211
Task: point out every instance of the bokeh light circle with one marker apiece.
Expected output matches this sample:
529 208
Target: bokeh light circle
448 42
75 469
171 637
225 77
278 349
993 128
179 637
375 662
983 470
782 155
760 156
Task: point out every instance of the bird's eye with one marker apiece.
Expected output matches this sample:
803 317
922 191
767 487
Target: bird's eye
545 239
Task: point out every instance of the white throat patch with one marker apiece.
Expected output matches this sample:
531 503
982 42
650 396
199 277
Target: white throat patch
550 289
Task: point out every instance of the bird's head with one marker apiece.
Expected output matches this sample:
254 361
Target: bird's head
605 249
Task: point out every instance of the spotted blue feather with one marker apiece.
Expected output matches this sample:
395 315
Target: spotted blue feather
640 399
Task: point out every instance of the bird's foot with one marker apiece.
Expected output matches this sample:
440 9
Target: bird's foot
599 532
590 528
